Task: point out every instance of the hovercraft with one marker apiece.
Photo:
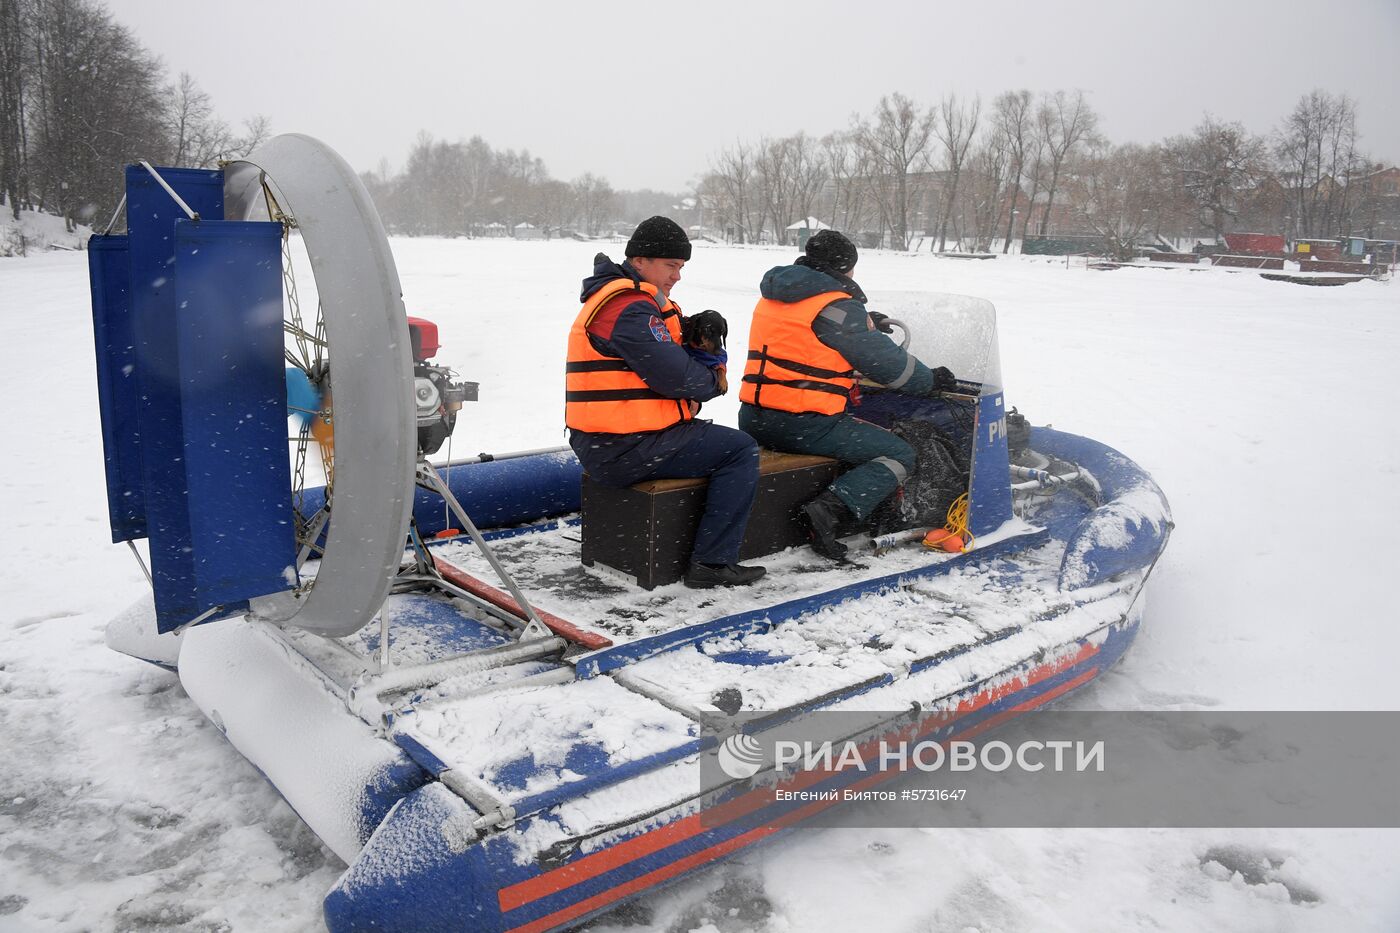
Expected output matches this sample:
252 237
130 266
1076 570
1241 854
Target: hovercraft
480 683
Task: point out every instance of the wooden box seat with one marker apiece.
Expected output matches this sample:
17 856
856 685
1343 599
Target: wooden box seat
646 531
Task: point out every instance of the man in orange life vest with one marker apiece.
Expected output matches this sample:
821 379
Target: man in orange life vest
811 333
633 388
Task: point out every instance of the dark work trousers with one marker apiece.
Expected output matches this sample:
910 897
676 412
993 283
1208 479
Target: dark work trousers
880 461
691 449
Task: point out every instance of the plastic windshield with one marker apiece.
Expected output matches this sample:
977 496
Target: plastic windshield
956 331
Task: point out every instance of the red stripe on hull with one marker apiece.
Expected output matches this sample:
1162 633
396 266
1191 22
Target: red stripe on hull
605 860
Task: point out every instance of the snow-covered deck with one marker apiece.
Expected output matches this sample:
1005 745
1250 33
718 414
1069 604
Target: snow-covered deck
943 624
598 600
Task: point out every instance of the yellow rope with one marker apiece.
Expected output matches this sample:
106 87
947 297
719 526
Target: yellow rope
957 521
955 526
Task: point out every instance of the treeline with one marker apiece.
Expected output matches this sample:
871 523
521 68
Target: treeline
959 172
80 96
470 189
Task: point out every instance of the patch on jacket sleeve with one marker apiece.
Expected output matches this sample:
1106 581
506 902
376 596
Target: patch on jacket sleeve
658 330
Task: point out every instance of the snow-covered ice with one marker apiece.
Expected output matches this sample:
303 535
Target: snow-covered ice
1264 410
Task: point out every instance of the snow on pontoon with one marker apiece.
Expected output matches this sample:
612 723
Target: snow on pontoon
507 728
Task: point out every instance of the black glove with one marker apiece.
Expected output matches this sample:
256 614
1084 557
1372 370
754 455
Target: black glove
943 379
706 330
881 322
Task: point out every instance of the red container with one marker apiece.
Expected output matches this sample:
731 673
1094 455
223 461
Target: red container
1255 244
425 338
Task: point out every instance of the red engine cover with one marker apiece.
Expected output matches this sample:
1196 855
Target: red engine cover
425 338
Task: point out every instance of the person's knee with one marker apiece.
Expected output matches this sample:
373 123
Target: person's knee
745 451
905 454
899 458
739 450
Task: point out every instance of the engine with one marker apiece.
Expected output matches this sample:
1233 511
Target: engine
436 398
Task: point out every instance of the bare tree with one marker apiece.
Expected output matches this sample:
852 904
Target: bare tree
1317 148
770 169
1122 188
596 201
713 203
13 70
256 131
1299 150
188 121
477 183
896 143
1066 121
732 192
426 199
1035 158
1015 121
1213 167
198 138
790 173
560 206
79 96
847 167
989 176
806 167
519 178
1349 166
92 102
955 126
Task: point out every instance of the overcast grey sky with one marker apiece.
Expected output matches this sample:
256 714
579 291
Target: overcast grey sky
644 93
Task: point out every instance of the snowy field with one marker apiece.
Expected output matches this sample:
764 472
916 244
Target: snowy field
1265 410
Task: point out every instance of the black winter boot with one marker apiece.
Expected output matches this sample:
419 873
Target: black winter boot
825 515
703 576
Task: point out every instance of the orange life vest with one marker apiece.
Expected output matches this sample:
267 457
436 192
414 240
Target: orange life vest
788 367
602 394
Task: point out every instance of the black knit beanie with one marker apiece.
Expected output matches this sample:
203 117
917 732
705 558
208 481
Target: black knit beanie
832 250
659 238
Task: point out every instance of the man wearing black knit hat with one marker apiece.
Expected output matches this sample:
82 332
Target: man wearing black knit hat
830 250
633 386
811 334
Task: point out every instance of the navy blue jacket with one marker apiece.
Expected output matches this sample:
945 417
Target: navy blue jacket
639 337
844 326
663 364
